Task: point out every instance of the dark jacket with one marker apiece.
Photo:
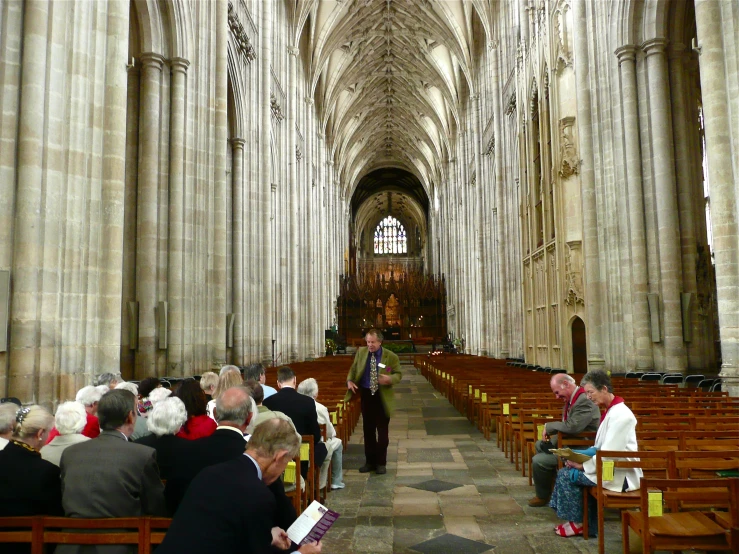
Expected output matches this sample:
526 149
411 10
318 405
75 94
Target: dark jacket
29 485
169 449
302 410
227 509
222 446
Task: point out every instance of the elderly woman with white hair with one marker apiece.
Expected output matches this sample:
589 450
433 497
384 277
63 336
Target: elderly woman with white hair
165 421
29 485
7 422
70 420
89 397
309 387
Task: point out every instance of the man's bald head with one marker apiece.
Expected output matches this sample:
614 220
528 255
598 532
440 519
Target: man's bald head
234 407
563 386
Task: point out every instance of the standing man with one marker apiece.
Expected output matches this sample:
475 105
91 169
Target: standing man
373 373
579 414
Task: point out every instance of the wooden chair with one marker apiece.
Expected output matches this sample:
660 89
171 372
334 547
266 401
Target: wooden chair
655 464
294 494
23 530
682 530
307 455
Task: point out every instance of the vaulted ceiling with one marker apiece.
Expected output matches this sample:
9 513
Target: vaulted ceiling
388 78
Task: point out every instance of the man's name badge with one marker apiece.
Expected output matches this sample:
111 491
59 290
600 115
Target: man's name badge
381 366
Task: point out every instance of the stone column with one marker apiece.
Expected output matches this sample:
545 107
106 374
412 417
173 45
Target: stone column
594 286
239 273
686 189
218 279
639 272
176 255
295 273
478 226
147 213
722 184
266 191
667 214
27 257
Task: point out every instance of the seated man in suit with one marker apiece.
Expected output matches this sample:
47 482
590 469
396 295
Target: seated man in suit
109 476
299 408
232 500
233 413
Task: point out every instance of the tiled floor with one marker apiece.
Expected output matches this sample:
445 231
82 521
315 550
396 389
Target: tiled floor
447 490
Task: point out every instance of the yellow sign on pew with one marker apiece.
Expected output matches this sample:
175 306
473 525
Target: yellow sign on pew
477 393
289 475
443 374
608 469
470 391
334 419
304 451
484 397
654 502
506 409
534 415
540 431
452 379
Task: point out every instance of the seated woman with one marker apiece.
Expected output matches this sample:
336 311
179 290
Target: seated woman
209 382
198 424
227 379
309 387
146 386
617 431
70 419
164 422
29 485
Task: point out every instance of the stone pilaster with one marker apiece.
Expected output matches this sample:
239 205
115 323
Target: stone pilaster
593 281
722 184
238 241
667 212
176 244
267 309
639 273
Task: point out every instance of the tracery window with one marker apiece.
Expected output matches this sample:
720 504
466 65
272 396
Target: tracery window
390 237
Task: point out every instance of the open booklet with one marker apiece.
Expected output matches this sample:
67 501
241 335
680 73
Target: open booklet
568 454
312 524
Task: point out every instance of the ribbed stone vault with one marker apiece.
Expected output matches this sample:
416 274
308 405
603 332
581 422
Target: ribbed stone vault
387 76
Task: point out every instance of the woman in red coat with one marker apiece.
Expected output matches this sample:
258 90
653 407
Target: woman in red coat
198 424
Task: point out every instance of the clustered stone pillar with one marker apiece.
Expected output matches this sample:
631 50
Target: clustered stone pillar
239 236
666 192
722 184
176 243
594 286
639 273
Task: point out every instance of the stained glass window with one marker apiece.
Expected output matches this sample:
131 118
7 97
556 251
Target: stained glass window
390 237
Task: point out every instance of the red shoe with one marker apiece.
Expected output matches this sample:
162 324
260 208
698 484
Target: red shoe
569 529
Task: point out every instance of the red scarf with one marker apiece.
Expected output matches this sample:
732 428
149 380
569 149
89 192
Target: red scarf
616 400
578 392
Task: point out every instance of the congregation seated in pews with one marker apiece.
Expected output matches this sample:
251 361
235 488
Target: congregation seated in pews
130 488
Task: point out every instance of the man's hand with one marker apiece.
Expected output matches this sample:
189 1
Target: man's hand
351 386
384 379
311 548
280 539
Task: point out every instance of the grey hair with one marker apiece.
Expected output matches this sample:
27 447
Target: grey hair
130 387
208 380
599 379
226 368
167 417
70 418
108 378
158 395
272 436
309 387
114 407
238 412
254 371
33 419
376 332
88 395
7 417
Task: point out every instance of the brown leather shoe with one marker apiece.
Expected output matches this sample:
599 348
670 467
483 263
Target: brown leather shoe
537 502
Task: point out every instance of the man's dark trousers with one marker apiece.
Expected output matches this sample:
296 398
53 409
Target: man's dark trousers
375 426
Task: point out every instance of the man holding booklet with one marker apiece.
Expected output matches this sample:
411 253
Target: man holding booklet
578 415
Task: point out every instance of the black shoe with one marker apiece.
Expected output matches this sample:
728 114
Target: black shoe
381 470
366 468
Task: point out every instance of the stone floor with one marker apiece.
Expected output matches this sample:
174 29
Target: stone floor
447 491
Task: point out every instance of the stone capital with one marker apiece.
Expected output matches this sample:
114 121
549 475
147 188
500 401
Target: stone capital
150 59
293 51
179 64
626 53
238 143
309 100
474 96
654 46
273 186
